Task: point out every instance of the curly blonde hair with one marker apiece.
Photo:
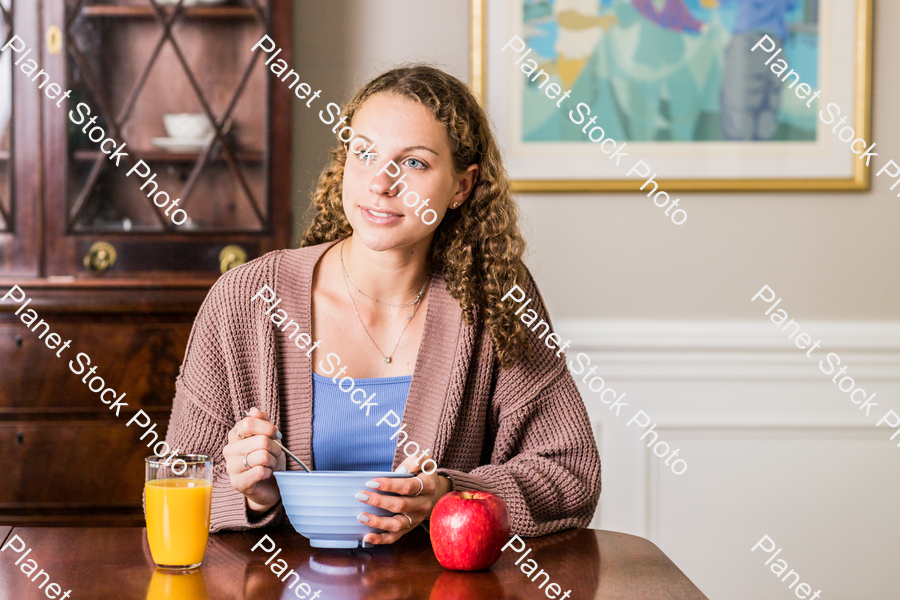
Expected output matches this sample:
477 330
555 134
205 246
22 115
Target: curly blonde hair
478 248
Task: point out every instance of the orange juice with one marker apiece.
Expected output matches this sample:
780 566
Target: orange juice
178 520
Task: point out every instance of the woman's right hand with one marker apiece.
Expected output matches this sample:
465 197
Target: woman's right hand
253 437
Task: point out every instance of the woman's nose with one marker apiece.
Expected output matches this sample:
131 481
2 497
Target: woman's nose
383 184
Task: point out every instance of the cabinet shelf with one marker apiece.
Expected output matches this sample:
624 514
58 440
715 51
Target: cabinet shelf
249 156
217 12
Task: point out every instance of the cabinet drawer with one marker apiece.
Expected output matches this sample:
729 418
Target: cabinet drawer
80 463
139 359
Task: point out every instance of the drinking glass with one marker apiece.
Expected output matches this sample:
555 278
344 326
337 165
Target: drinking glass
178 499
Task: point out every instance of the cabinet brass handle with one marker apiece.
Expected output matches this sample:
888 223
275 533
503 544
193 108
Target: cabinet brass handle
100 257
54 39
231 257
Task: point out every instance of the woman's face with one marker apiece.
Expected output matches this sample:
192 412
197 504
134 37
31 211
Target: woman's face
412 154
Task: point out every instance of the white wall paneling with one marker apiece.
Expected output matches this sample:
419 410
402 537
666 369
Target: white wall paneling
773 448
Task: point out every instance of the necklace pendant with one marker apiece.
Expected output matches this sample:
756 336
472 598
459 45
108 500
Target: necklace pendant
387 359
408 317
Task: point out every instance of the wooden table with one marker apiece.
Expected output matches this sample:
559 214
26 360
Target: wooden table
115 563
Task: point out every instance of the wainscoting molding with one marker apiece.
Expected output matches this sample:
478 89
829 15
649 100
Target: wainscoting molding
729 350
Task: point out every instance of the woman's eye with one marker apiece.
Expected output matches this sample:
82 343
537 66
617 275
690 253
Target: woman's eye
367 156
418 163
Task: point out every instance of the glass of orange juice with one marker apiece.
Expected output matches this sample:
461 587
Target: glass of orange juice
177 503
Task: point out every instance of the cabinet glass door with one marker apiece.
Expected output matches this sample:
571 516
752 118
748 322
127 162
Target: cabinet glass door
20 232
165 141
178 87
6 65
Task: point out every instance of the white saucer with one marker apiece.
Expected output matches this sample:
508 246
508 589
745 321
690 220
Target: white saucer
173 144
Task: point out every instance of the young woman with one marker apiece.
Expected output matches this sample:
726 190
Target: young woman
387 307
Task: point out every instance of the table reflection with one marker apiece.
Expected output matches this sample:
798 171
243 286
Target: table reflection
357 574
406 570
115 562
457 585
177 585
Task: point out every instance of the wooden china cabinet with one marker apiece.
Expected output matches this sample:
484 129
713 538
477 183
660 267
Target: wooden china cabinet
102 264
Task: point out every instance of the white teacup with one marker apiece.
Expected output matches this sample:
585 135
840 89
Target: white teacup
188 126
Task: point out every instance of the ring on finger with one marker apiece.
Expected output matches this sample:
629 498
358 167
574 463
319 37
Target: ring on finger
421 486
409 518
246 466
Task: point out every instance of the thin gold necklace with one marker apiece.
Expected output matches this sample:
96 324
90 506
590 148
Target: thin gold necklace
412 302
415 305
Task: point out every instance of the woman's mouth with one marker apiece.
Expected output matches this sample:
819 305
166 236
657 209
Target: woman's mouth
379 216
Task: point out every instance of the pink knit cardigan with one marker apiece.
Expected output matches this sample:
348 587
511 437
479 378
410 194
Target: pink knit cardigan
522 433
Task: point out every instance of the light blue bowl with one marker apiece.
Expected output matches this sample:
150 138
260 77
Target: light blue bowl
322 507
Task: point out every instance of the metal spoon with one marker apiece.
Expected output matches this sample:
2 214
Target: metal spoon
244 413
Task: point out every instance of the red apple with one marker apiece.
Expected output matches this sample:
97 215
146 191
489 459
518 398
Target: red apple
468 530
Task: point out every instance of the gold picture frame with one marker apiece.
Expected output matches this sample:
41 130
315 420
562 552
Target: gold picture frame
862 94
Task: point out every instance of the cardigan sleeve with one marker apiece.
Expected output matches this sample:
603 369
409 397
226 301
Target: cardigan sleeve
541 457
195 430
544 463
203 411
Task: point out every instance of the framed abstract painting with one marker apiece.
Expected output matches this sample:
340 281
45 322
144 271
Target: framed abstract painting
711 95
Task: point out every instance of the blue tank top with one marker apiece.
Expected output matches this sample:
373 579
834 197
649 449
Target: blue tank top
344 438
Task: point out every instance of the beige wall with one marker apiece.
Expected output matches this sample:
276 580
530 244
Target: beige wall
341 44
830 256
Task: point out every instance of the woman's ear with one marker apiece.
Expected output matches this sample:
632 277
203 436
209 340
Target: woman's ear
466 182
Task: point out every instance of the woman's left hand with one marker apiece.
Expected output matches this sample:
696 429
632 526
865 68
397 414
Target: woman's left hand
417 506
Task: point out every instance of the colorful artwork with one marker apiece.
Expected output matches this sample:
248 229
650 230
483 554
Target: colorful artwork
672 70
